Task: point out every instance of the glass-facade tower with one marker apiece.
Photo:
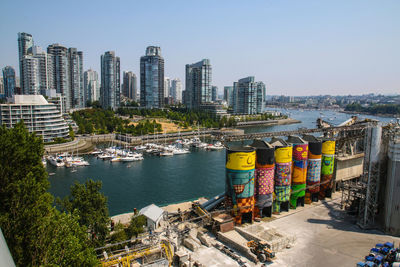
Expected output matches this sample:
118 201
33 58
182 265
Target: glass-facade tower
198 84
110 80
25 42
8 81
152 78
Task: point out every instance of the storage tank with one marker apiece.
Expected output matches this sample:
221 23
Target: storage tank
299 170
239 186
328 158
283 171
313 168
392 198
264 178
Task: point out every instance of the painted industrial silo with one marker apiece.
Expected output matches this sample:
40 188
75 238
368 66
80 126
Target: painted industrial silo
264 178
327 165
392 196
313 168
239 186
299 170
283 171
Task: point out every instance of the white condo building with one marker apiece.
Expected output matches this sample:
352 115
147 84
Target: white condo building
39 116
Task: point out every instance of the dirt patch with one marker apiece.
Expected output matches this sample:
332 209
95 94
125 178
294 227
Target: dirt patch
167 125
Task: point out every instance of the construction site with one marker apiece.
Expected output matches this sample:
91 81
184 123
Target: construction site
292 198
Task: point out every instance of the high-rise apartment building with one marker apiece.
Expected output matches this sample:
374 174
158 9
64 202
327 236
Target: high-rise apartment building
228 95
245 96
198 84
129 88
59 72
91 85
65 74
152 78
30 78
261 91
110 80
42 68
167 87
176 90
25 42
214 93
8 81
1 88
75 58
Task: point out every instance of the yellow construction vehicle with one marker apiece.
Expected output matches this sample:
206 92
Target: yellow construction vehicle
261 250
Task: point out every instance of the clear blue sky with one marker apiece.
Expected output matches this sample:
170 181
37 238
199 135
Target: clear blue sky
295 47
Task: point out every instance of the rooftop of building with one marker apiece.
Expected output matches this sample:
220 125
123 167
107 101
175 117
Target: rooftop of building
27 100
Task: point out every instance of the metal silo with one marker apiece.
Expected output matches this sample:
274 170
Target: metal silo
313 168
299 170
264 178
283 171
240 165
328 157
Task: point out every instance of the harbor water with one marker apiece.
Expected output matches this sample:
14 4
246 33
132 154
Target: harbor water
166 180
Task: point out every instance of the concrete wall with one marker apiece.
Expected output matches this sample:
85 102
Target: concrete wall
349 167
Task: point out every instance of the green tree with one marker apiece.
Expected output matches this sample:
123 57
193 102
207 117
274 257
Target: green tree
71 133
90 205
27 217
136 226
119 234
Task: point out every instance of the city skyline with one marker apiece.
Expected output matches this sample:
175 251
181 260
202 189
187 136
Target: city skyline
307 48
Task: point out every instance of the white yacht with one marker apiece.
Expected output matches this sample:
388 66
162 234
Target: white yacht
217 146
132 157
56 161
75 162
180 151
166 153
105 156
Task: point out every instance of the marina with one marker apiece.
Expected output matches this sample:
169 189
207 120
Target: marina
169 179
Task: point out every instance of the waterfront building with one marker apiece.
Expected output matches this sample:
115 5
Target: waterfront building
214 92
129 88
59 72
38 115
245 96
110 80
25 42
152 78
91 85
198 84
8 81
176 90
75 62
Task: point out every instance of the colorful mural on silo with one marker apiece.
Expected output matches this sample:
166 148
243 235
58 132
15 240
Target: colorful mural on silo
283 172
328 162
299 171
239 186
313 169
264 180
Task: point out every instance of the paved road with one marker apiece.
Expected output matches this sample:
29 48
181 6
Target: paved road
325 236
